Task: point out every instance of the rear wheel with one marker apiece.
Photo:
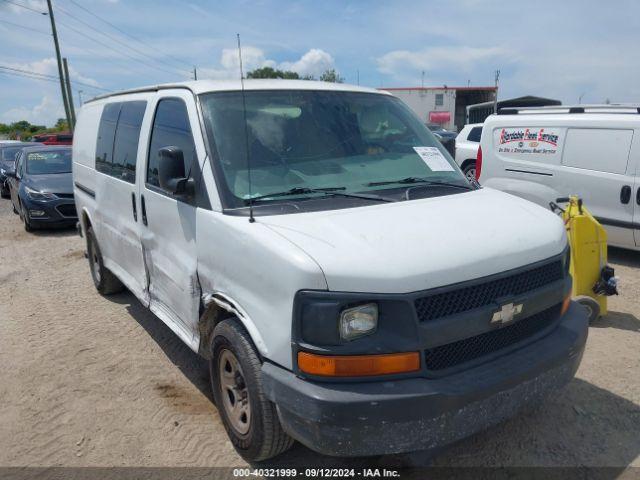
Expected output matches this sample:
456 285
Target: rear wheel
105 282
250 419
469 170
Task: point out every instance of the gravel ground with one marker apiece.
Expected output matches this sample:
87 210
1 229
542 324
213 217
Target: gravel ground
92 381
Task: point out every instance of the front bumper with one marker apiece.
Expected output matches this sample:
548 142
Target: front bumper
60 212
385 417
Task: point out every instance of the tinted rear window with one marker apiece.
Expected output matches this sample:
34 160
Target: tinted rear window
106 134
475 134
125 149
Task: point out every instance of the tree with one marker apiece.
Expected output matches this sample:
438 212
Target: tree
61 125
331 76
268 72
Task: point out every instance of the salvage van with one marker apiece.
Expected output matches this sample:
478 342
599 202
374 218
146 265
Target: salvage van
351 289
592 151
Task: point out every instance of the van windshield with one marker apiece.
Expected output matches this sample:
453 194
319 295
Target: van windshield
301 140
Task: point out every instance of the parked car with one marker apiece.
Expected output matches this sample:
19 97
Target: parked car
467 143
591 151
63 138
42 188
350 287
447 138
8 152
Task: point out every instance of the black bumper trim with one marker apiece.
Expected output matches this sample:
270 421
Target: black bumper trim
373 418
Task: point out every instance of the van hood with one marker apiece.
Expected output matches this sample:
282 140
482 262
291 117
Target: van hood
416 245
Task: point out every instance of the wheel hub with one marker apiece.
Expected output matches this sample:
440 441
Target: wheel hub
235 396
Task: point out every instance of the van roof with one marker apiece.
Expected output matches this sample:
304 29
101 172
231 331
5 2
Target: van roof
613 108
205 86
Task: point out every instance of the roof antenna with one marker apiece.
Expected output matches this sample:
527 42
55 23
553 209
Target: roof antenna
246 132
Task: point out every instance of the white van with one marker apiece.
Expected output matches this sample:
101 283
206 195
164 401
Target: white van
545 153
350 287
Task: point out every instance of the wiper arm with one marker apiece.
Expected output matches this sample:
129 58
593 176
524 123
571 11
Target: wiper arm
424 181
334 191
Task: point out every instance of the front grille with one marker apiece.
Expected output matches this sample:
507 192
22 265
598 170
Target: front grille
481 294
67 210
463 351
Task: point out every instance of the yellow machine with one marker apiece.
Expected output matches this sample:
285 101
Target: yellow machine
593 280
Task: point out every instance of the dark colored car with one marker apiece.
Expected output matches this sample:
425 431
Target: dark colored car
42 187
63 138
8 152
447 138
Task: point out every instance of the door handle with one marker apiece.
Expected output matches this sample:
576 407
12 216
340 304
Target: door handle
133 205
625 194
144 210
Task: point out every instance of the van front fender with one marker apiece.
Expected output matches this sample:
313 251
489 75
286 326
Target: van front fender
532 191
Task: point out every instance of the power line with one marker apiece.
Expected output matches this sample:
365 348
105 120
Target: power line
128 34
25 7
47 77
79 32
115 39
26 28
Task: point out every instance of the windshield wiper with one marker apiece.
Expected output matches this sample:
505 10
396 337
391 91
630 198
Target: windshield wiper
424 181
334 191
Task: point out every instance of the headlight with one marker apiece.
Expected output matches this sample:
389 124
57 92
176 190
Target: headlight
36 195
358 321
3 172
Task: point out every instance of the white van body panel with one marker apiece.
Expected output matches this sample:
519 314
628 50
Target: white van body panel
596 155
259 271
410 246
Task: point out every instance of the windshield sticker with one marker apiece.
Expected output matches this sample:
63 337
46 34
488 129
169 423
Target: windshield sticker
434 159
541 141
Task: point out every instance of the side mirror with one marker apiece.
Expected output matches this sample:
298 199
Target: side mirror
10 173
171 174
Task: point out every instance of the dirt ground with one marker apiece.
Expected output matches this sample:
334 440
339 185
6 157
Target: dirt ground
92 381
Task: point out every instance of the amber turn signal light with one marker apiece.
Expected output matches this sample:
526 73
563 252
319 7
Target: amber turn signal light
358 365
565 304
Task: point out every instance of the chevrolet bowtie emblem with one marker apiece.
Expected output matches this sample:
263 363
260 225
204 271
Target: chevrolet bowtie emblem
506 313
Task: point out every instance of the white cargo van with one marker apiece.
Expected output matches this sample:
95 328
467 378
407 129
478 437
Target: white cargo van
591 151
350 287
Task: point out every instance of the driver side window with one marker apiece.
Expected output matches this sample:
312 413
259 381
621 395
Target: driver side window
171 128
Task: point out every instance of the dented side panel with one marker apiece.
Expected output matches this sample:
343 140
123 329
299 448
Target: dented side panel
257 272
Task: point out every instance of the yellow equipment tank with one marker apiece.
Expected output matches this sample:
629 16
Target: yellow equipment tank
593 280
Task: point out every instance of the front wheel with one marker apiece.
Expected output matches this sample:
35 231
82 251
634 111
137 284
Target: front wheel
250 419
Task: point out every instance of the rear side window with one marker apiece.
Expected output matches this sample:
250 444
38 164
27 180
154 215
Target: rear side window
475 134
170 128
106 134
125 148
602 150
118 135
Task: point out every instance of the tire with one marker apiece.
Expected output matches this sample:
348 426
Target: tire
105 282
14 208
260 436
469 170
24 216
592 307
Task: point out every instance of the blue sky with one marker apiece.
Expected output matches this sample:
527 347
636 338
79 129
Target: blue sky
560 49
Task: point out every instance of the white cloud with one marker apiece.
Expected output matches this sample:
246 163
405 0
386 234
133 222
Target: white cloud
459 59
46 112
49 66
313 62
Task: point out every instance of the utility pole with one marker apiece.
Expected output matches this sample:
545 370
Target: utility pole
422 82
358 76
195 73
80 92
54 32
495 94
67 82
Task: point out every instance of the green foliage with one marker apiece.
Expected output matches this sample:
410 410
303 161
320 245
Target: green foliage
24 130
268 72
331 76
